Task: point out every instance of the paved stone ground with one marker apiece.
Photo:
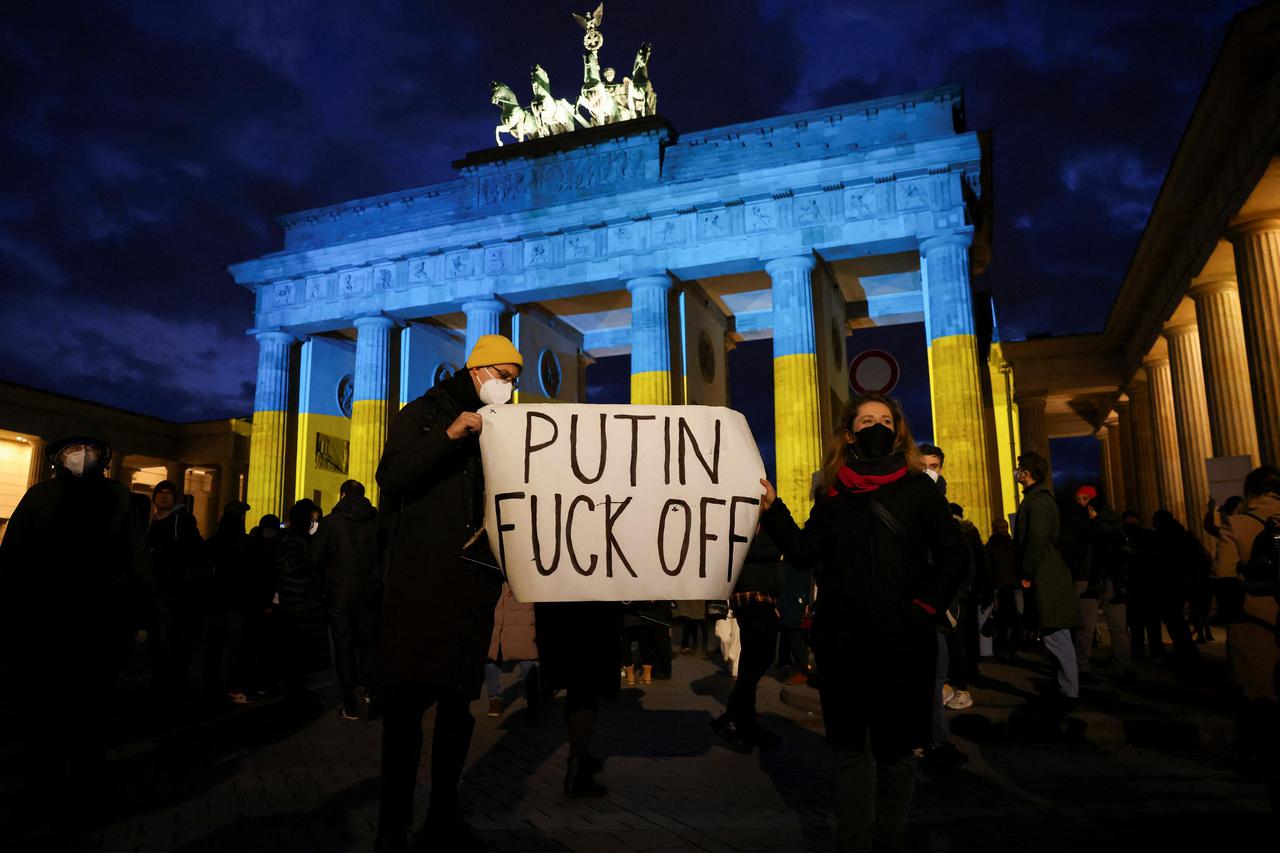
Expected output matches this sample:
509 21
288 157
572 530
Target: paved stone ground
1135 769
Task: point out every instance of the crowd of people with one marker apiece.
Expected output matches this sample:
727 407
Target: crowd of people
886 599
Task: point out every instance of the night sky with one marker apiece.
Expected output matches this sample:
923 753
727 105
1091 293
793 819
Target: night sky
148 145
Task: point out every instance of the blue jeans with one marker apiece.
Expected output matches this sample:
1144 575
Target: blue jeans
492 672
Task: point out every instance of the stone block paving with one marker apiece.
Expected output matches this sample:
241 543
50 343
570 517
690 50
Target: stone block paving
271 778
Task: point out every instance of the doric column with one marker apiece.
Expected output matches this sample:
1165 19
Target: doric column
1257 253
38 468
1145 455
1105 463
1033 425
483 318
1128 469
650 340
1232 429
1187 374
369 409
955 385
270 416
797 409
1164 419
1117 494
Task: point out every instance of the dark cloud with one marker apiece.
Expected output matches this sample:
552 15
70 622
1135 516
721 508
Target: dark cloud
150 144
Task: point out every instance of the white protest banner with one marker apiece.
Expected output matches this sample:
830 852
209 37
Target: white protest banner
619 503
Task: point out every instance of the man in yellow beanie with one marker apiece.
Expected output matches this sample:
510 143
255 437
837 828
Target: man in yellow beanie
438 605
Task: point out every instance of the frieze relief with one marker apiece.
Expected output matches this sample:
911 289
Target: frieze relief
384 277
353 282
670 231
861 203
609 169
807 210
282 294
458 264
761 216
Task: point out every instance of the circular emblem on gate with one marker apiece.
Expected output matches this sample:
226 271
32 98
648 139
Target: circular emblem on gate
549 373
706 357
442 372
873 371
346 394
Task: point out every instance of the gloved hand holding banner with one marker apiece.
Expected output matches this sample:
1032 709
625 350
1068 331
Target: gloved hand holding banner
619 503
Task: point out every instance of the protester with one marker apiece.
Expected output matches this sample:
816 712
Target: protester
441 590
1105 590
892 560
1180 562
1251 637
978 594
1247 548
1002 557
794 610
755 606
1214 513
299 614
692 618
178 566
229 603
1144 597
260 629
1036 531
641 621
63 618
514 640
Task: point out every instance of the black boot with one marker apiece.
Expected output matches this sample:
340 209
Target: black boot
580 780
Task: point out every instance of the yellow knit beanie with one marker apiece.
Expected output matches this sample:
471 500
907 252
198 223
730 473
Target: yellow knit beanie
494 349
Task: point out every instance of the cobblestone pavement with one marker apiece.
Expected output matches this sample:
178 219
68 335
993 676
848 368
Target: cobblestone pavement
1134 769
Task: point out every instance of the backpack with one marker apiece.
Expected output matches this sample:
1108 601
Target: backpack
1262 571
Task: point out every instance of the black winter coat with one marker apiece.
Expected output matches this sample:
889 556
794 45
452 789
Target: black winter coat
63 563
875 648
437 615
345 551
178 555
762 569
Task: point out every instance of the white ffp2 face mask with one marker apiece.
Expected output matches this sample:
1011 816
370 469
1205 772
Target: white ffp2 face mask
75 461
495 392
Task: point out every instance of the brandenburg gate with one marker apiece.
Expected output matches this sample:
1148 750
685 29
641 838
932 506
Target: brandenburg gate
624 236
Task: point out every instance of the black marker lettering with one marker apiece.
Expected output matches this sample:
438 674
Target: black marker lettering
503 528
713 470
611 544
537 550
635 437
733 517
666 451
703 535
568 535
573 449
529 447
667 509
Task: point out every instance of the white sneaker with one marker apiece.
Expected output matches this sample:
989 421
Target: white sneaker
960 700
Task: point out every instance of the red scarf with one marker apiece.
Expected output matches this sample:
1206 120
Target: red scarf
852 481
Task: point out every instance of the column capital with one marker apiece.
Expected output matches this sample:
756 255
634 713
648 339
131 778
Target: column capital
373 321
1266 221
274 336
958 239
1031 398
1205 285
662 281
1172 331
803 263
1155 361
489 305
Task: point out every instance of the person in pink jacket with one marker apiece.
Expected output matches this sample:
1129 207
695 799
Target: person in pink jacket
514 641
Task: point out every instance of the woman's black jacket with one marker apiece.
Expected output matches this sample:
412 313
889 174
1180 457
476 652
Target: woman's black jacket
875 647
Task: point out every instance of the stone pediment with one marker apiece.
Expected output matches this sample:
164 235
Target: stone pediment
561 169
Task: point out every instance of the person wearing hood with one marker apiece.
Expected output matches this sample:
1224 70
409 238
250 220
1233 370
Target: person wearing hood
64 562
1036 530
177 569
346 553
892 559
441 589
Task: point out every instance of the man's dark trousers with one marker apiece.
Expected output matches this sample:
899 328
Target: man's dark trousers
758 626
402 752
352 626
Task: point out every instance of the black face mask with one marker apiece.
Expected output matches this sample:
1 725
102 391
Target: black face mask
875 441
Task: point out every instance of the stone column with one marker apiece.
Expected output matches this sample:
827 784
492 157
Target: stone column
1033 425
483 318
1128 455
1232 429
38 468
650 340
1117 493
1194 445
797 408
1105 463
1164 419
270 416
176 473
1257 254
370 406
1145 449
955 385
